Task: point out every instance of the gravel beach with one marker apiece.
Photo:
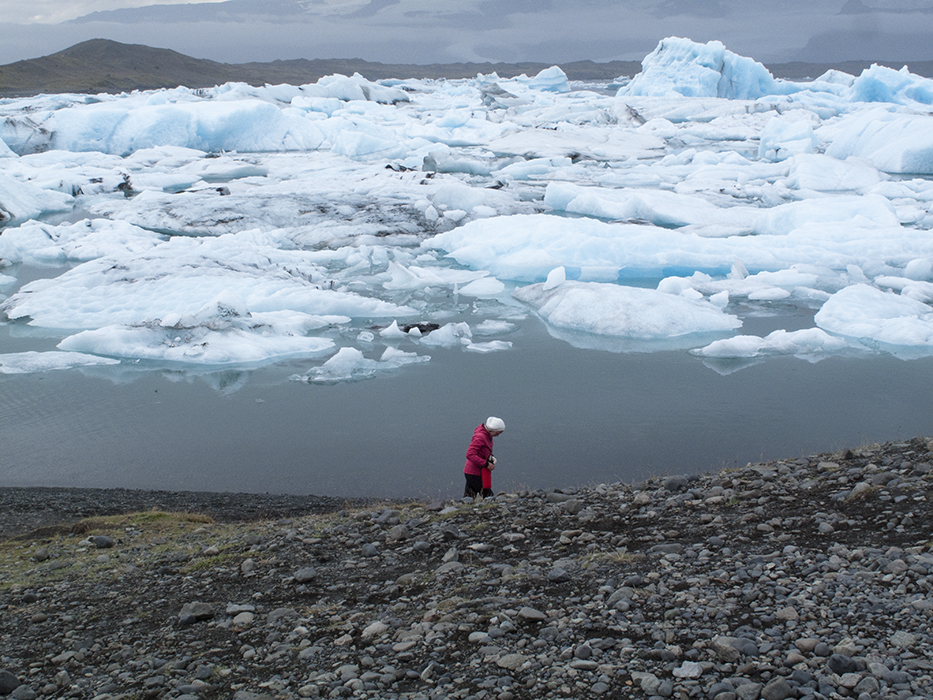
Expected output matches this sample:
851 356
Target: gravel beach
798 578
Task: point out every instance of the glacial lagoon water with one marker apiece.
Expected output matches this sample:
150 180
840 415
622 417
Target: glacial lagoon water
292 206
573 417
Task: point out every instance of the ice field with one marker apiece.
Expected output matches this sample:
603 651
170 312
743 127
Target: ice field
354 229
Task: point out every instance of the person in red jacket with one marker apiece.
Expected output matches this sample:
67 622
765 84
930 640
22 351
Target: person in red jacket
479 459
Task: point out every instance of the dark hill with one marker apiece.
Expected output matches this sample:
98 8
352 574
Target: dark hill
101 65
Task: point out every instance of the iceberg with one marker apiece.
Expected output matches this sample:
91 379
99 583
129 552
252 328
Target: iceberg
781 139
809 342
867 313
627 312
892 142
31 361
24 200
85 240
350 365
199 345
183 276
681 67
883 84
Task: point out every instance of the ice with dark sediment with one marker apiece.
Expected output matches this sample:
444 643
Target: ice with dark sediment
366 225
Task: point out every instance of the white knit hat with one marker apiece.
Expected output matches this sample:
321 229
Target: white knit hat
493 423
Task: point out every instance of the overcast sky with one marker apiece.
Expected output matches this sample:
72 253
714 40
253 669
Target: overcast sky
444 31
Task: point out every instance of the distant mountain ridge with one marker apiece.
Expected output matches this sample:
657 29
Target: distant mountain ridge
102 65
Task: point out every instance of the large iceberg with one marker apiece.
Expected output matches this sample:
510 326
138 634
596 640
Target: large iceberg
682 67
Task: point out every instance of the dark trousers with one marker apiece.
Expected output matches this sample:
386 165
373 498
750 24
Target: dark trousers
474 487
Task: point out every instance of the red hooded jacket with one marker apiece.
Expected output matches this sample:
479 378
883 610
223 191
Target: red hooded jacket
478 452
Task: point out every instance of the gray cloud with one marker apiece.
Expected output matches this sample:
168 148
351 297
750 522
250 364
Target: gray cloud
438 31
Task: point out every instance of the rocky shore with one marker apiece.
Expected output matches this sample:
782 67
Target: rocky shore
800 578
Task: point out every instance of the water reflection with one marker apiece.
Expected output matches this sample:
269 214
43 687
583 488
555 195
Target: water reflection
575 417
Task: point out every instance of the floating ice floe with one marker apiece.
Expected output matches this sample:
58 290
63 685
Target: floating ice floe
349 364
892 142
811 343
868 313
628 312
198 345
31 361
183 276
23 200
41 243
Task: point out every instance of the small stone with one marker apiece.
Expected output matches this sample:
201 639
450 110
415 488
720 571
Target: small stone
849 680
806 645
558 575
676 483
398 533
244 619
63 658
193 612
102 541
24 692
41 554
555 497
281 614
648 682
903 640
511 662
748 691
376 629
306 574
688 669
233 608
778 689
574 506
840 664
527 613
8 682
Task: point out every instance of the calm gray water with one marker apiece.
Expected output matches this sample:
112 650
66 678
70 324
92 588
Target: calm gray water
573 417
